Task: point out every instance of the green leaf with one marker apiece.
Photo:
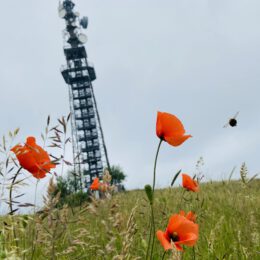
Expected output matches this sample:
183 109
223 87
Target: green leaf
175 177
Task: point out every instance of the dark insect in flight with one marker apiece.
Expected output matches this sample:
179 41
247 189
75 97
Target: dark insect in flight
232 121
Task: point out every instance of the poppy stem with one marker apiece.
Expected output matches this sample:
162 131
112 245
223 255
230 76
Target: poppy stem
194 253
35 195
150 235
34 230
155 163
152 228
164 254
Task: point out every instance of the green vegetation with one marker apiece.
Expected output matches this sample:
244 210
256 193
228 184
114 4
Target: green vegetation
67 194
70 192
117 227
117 173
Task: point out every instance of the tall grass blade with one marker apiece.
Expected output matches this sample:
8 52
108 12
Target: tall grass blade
175 177
231 173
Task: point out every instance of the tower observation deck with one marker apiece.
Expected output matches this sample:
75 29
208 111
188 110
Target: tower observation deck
89 149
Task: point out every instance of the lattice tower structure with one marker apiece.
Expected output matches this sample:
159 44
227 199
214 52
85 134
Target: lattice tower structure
89 149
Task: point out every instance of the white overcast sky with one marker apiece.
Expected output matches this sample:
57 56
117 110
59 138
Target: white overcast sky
196 59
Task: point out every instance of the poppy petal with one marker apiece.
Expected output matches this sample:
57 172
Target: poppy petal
39 174
181 225
187 227
191 216
159 127
176 140
31 140
190 239
181 230
95 184
189 184
174 222
178 247
170 124
163 240
26 160
170 129
182 213
33 158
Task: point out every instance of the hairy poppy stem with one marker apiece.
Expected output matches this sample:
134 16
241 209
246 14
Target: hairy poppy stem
155 163
153 231
152 227
150 235
34 231
154 179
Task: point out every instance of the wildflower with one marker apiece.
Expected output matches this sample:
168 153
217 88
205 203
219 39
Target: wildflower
189 184
170 129
33 158
95 184
180 231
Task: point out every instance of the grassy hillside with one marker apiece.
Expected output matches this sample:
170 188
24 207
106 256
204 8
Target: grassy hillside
228 214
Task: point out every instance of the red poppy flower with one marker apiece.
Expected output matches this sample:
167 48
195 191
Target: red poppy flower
189 184
95 184
170 129
180 231
33 158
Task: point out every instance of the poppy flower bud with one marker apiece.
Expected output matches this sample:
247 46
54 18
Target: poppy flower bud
149 192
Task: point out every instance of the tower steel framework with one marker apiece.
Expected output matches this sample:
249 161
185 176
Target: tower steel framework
89 149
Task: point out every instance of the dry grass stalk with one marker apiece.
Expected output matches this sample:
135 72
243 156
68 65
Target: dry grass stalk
51 223
128 236
213 234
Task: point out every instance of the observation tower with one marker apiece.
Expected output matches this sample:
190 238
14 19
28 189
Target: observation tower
89 149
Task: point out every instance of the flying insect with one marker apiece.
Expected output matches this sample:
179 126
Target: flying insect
232 121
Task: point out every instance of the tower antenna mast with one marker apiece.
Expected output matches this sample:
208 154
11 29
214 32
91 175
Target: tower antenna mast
89 150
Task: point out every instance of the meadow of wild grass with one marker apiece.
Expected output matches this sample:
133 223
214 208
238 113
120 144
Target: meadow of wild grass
214 220
116 228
